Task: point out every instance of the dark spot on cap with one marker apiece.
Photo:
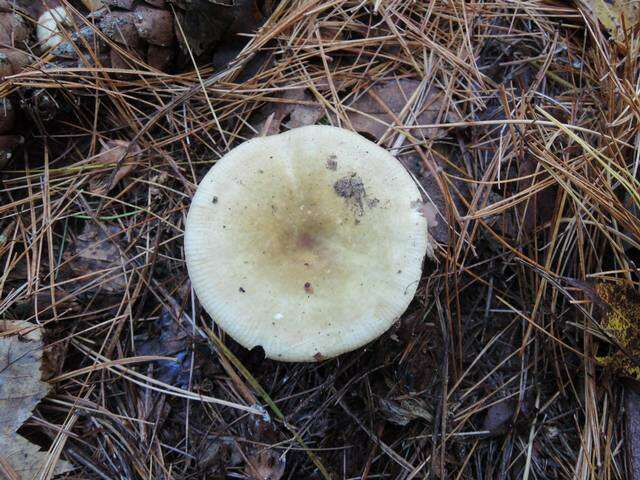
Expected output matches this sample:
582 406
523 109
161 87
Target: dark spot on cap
214 200
318 357
308 288
241 290
305 241
350 186
331 163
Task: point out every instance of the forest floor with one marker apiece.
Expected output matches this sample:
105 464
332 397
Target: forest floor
516 360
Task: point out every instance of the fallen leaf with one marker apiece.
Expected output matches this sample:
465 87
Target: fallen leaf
210 454
542 206
93 5
498 416
21 358
159 58
124 4
266 465
166 337
611 12
120 27
403 411
14 29
202 23
113 153
41 302
21 389
373 112
92 253
157 181
435 205
154 25
296 110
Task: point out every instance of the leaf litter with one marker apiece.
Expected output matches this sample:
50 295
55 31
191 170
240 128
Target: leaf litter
21 389
118 153
166 337
500 329
379 108
616 16
93 255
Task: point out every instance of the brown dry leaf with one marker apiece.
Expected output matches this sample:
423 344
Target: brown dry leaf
295 111
111 153
41 302
154 25
167 337
434 208
498 417
403 411
611 12
93 5
204 23
266 465
541 207
368 115
92 253
21 389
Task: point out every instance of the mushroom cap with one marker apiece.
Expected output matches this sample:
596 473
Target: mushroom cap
48 29
309 243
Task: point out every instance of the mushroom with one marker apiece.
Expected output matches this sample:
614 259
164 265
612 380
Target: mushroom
49 29
308 243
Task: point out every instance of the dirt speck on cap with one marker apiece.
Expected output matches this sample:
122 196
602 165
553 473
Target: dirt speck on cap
351 188
319 357
332 164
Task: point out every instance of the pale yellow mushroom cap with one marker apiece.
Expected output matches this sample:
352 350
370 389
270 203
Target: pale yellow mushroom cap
309 243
